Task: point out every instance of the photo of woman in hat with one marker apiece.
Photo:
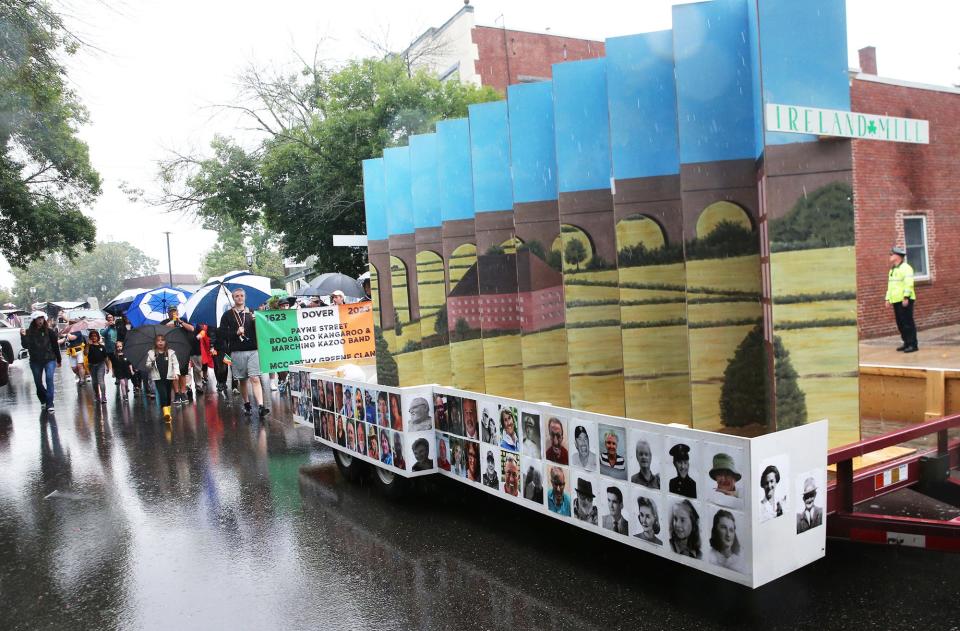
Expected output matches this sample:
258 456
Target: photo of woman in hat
683 484
723 471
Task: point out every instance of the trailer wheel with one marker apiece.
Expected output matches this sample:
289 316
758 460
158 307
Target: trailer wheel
391 484
351 468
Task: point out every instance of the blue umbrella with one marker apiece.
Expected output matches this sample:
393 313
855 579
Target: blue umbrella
213 299
151 307
123 300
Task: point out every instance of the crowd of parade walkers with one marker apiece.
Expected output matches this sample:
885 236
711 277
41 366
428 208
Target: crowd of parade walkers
230 350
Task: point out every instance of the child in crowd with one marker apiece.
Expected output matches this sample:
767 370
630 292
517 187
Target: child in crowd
122 370
97 361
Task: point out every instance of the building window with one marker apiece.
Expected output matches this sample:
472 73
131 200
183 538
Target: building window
915 239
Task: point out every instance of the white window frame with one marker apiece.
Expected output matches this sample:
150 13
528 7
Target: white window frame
926 244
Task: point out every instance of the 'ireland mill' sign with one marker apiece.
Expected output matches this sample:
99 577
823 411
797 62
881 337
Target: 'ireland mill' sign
811 120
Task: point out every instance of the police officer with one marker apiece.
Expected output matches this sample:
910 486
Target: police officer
901 295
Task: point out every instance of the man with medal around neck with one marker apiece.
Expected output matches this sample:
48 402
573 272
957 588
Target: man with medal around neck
238 328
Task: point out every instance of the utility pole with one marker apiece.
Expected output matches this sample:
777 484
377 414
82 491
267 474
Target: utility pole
169 261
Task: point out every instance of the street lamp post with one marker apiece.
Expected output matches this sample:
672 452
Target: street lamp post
169 260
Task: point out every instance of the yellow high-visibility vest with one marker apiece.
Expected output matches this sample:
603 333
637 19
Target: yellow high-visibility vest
900 283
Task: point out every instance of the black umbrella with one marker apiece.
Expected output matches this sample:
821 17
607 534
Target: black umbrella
326 284
140 340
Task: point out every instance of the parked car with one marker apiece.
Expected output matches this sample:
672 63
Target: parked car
10 346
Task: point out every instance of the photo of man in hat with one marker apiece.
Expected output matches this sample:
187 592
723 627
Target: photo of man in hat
901 295
724 473
583 508
490 477
812 515
682 484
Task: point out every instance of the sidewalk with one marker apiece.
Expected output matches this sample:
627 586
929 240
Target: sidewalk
939 348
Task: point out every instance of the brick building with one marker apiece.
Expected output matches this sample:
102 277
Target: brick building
461 50
907 194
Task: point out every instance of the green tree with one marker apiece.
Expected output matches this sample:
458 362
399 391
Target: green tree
743 397
461 330
46 178
304 177
441 323
233 243
822 219
574 253
56 278
387 373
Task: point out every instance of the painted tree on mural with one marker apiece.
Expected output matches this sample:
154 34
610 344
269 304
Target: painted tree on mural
743 398
822 219
387 373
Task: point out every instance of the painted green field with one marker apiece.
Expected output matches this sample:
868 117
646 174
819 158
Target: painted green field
466 365
436 365
596 362
741 273
813 271
545 370
410 368
503 366
819 310
723 311
659 400
838 400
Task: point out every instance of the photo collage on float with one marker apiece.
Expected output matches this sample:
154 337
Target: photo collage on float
366 419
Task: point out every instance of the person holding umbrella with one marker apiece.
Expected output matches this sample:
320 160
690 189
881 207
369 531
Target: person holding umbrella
238 328
164 371
180 385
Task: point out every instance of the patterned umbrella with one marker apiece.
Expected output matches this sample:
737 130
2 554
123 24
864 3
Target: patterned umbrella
151 307
123 300
213 299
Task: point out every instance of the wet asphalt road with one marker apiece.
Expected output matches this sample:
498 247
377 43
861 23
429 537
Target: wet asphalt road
112 520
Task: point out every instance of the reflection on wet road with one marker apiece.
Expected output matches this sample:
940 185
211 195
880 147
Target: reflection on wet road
111 519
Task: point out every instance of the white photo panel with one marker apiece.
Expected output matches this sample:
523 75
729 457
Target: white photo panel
556 438
724 466
774 492
645 458
811 491
613 499
586 496
681 469
728 542
583 444
612 450
650 523
533 489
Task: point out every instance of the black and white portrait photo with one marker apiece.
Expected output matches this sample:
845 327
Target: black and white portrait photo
723 464
685 529
489 422
531 434
490 467
647 508
583 455
774 483
420 448
613 444
728 541
681 454
645 454
613 508
419 417
532 480
811 487
584 498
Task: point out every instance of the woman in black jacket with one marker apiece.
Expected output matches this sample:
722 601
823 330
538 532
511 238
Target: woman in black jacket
42 343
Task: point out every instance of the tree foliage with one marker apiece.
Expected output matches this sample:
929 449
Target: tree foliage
387 372
303 179
743 397
56 278
727 239
233 243
46 178
574 253
822 219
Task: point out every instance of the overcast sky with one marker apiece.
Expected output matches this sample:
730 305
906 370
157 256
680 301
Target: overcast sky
161 67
